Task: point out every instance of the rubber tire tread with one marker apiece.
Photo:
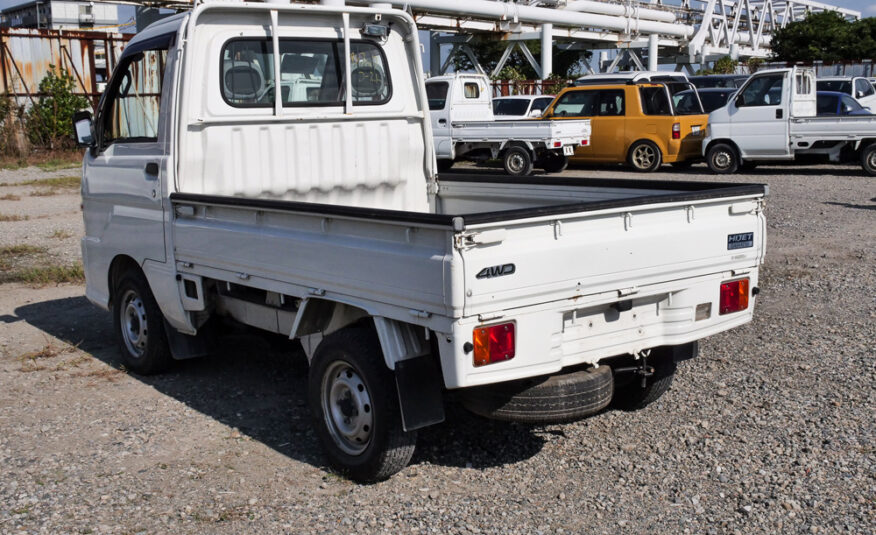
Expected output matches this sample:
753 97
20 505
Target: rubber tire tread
633 397
391 446
157 357
527 169
549 399
654 166
865 155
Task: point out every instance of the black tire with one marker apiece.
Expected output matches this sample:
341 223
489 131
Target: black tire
686 164
444 165
554 163
517 161
868 159
355 409
645 156
549 399
139 326
722 159
631 396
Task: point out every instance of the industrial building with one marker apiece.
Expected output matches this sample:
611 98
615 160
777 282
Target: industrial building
60 15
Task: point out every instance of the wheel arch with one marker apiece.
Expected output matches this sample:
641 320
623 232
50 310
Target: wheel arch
120 265
725 140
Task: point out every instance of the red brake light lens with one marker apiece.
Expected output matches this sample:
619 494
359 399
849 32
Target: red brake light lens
585 142
676 131
493 344
734 296
558 144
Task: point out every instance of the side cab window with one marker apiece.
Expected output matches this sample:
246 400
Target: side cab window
762 91
129 112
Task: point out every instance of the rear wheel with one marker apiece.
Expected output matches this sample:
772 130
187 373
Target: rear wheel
355 407
644 156
722 159
517 161
868 159
553 162
139 326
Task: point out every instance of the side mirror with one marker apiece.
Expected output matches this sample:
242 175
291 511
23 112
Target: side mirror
535 114
83 128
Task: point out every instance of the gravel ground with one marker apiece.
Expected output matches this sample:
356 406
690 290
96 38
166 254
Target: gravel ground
770 430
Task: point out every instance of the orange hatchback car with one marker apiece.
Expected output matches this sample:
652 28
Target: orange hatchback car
643 124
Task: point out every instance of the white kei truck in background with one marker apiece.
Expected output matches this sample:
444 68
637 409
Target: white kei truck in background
211 197
773 118
464 128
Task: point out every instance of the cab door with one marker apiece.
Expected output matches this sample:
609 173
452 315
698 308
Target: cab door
758 117
611 111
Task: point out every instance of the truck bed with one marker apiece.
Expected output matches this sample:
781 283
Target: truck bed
525 130
833 128
631 232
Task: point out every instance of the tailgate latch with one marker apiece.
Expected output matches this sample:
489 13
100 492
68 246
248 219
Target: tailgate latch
472 239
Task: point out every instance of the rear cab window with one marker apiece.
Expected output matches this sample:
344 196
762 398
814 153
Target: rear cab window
311 73
471 90
436 94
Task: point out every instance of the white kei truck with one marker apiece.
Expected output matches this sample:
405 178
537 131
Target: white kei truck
773 118
210 196
464 128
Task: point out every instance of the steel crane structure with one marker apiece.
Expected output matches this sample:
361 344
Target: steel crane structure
645 34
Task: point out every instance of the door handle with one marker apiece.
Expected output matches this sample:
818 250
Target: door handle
151 171
442 121
779 113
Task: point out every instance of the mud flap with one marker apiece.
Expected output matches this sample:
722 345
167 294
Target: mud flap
684 351
184 346
418 381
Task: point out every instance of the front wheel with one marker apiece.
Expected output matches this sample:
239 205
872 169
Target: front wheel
355 407
722 159
139 326
868 159
517 161
645 156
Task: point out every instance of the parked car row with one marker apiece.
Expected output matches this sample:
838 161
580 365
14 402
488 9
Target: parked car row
648 118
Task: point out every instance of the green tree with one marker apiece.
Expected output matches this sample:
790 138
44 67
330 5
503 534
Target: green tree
49 120
825 36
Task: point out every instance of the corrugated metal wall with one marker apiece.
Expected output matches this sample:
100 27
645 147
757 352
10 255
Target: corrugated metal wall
27 54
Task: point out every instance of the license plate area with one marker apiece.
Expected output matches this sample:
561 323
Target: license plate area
568 150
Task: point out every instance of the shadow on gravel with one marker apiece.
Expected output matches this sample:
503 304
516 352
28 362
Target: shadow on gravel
858 206
253 387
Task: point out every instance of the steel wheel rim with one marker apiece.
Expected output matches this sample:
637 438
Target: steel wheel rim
347 408
516 163
644 156
722 159
871 160
135 328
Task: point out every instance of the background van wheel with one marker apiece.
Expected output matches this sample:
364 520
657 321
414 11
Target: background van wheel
517 161
722 159
354 404
629 395
444 165
868 159
552 162
549 399
139 326
645 156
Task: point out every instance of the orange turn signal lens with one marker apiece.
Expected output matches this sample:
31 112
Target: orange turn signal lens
493 344
734 296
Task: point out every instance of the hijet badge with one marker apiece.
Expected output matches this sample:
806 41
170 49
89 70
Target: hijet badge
740 241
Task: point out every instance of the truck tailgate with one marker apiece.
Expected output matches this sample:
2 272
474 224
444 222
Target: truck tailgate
530 130
520 263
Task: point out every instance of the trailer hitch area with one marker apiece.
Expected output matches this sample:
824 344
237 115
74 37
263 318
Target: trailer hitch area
641 368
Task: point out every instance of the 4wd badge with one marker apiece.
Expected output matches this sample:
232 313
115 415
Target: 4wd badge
740 241
496 271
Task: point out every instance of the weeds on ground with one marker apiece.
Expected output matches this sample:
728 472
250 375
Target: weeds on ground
45 160
70 181
44 275
5 218
60 235
10 197
21 250
55 164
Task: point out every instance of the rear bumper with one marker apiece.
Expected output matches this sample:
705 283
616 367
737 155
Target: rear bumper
557 335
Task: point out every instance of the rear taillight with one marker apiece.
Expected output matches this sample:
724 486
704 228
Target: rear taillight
676 131
558 144
585 142
493 344
734 296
